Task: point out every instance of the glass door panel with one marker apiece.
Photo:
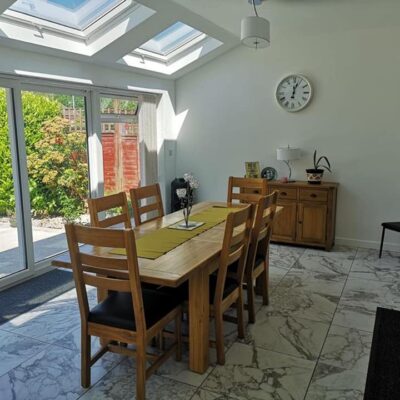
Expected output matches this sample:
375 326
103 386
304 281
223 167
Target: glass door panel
57 161
11 248
119 137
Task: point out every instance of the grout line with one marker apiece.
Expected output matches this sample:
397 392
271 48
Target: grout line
330 326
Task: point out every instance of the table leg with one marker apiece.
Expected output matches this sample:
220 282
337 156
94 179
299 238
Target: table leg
199 311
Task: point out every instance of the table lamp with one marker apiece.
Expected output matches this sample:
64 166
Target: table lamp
287 154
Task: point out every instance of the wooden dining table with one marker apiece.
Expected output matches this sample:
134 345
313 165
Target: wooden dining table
192 261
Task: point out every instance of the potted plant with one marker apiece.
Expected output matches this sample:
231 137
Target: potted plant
314 175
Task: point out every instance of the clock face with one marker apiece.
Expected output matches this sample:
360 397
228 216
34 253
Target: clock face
294 93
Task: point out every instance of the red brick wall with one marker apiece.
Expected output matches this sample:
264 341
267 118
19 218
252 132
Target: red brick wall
127 177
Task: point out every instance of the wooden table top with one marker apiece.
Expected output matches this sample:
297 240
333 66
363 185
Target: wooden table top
176 266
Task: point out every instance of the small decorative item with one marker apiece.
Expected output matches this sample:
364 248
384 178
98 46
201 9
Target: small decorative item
287 154
314 175
186 197
269 173
252 169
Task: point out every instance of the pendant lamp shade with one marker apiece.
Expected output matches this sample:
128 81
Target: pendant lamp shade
255 32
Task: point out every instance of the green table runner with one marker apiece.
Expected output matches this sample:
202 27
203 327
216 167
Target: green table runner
162 241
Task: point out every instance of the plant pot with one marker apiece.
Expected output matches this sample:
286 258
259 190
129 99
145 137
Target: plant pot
314 176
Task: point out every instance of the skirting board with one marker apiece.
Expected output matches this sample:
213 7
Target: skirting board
368 244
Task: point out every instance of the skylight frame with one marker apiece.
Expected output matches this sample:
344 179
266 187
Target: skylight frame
174 54
170 35
102 22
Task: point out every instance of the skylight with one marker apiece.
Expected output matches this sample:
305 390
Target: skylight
172 38
74 14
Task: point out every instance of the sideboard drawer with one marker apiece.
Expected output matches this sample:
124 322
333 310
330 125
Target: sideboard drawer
313 194
285 193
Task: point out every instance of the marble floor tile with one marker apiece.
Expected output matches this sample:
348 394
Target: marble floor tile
360 291
15 349
355 315
289 335
325 262
342 252
347 348
179 370
284 256
52 374
120 384
276 275
202 394
368 265
50 321
257 374
333 383
301 304
318 282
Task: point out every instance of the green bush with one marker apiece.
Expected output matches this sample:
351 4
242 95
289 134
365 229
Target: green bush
57 162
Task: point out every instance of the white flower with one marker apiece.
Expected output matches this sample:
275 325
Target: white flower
181 193
187 177
194 183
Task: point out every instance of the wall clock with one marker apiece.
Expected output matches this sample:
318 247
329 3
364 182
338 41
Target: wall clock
294 93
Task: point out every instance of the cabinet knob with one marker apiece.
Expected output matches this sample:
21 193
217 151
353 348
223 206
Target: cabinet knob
313 195
283 193
300 222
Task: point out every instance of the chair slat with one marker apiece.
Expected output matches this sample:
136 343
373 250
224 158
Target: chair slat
101 204
145 193
118 285
111 262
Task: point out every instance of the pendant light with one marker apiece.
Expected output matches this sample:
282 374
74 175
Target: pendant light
255 30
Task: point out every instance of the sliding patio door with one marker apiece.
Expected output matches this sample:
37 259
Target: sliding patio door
12 255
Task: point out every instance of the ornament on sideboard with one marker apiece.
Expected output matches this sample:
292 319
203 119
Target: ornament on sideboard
314 175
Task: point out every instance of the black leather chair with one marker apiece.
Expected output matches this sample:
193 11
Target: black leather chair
392 226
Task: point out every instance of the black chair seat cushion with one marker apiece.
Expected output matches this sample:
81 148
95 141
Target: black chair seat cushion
230 286
117 309
259 260
394 226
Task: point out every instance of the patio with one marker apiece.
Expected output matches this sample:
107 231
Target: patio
47 242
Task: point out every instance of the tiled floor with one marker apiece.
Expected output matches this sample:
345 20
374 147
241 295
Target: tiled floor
312 342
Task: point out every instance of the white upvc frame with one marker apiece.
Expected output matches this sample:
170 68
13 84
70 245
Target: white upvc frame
15 86
84 34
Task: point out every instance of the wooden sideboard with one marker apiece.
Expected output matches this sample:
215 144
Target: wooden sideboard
309 213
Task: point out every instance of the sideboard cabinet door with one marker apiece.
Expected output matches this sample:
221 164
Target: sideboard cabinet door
311 223
285 224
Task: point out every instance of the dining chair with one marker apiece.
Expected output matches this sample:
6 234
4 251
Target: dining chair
109 203
226 291
392 226
145 193
257 265
246 190
127 314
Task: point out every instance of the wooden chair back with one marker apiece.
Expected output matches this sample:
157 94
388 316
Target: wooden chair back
107 203
246 190
145 193
262 228
234 248
104 270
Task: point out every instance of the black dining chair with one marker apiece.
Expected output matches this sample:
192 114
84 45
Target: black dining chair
392 226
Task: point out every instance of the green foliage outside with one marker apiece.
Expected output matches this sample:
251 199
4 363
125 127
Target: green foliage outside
57 164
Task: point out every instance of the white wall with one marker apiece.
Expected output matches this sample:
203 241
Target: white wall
12 60
232 115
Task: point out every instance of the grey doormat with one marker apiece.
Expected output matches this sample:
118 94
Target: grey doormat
30 294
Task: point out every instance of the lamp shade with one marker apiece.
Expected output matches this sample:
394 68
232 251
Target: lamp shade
255 32
287 154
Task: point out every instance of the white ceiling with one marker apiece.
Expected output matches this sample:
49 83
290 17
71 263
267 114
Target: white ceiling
220 19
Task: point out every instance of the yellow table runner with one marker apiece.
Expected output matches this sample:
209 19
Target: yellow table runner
162 241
